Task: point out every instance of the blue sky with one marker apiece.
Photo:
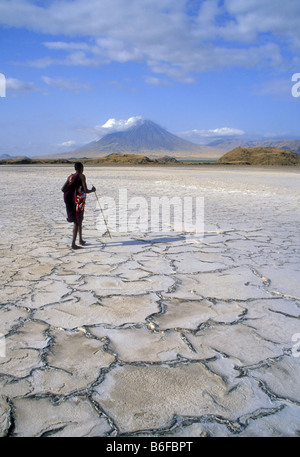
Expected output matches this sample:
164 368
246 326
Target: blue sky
203 69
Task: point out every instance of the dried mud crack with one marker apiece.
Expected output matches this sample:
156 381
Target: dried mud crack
153 334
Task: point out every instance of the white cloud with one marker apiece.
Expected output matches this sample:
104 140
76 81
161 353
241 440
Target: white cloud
68 84
223 131
15 85
44 62
63 46
111 126
204 136
174 38
67 144
254 17
115 125
154 81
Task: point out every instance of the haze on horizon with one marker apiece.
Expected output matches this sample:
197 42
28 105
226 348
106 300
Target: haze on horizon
202 69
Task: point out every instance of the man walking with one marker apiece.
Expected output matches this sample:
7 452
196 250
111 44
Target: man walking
75 190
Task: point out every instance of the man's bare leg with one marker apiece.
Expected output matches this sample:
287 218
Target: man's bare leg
75 231
81 241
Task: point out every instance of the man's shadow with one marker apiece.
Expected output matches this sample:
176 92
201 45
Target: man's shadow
144 241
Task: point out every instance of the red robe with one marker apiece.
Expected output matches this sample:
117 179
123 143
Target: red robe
74 198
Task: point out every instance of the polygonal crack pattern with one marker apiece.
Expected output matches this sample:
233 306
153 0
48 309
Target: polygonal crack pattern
152 335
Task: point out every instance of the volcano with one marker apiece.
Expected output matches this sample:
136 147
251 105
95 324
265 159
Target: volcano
145 137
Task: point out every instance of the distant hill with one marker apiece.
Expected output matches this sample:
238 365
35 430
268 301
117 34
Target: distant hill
111 159
7 157
119 159
132 159
229 144
27 161
260 156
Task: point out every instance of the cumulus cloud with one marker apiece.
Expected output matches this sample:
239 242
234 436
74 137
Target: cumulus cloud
113 125
174 38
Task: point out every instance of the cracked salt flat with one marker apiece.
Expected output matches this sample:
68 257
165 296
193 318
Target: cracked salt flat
149 333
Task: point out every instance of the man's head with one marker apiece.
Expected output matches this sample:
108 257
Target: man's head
78 167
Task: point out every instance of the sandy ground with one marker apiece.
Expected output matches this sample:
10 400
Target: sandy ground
151 334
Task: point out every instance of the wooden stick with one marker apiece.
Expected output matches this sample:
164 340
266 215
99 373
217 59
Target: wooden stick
102 214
